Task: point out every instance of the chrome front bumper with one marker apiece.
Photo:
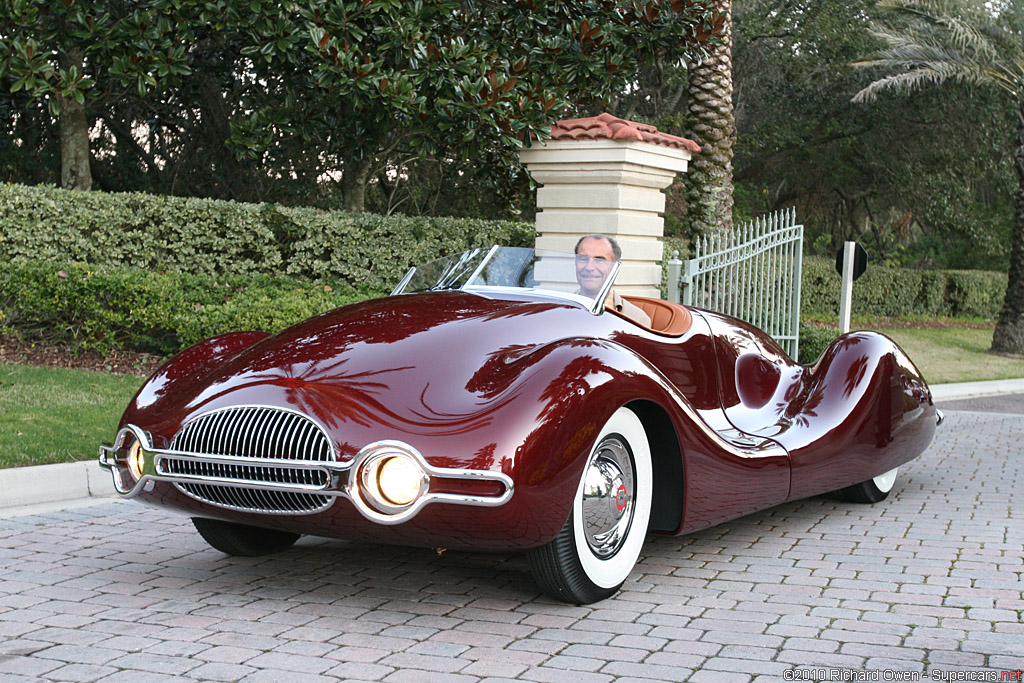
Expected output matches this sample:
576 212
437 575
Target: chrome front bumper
288 476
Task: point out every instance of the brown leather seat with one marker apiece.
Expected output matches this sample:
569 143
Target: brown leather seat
667 318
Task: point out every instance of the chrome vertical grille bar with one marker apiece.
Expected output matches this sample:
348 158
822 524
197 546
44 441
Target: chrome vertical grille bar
259 431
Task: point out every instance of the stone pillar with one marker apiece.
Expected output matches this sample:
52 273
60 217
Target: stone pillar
606 175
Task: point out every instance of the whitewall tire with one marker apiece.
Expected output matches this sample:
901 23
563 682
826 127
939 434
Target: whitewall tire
600 543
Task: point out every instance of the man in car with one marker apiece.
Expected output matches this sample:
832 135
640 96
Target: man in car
595 255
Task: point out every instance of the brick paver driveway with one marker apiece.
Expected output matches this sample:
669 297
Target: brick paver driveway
927 583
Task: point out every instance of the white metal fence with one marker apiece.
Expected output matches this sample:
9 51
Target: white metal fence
752 273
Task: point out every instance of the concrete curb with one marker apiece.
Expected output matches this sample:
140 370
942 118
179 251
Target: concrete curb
949 392
27 490
23 489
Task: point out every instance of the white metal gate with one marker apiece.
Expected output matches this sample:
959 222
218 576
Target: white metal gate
752 273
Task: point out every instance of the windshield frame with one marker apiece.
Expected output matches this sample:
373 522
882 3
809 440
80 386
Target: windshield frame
595 305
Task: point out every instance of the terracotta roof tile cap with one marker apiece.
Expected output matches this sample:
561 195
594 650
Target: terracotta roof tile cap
608 127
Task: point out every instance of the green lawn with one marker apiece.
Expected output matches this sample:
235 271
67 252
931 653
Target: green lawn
50 415
952 354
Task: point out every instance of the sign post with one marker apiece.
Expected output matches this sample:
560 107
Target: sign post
851 262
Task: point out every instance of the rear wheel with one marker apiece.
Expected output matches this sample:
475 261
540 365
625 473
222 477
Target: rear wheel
241 539
600 543
870 491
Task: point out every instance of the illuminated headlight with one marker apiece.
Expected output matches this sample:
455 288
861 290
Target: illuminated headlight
390 478
136 459
400 480
127 457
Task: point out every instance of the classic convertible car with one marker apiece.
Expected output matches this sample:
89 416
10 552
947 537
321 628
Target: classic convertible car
489 405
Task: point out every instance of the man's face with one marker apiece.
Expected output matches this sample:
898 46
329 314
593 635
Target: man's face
594 259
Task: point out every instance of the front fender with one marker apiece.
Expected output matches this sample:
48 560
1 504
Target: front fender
565 392
184 371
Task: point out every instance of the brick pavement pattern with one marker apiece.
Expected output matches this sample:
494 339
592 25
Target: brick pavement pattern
928 582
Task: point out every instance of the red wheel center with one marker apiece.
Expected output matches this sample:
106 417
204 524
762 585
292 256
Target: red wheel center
620 498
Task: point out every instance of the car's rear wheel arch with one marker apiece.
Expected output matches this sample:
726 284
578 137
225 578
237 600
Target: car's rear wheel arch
666 464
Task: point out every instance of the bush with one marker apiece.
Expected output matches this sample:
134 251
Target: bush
813 341
219 238
107 308
898 292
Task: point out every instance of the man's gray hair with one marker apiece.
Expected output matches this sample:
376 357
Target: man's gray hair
616 249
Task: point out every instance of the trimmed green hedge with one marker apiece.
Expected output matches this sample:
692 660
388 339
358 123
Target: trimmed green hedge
902 293
109 307
219 238
177 270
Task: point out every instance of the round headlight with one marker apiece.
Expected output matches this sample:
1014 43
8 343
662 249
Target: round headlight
136 459
399 480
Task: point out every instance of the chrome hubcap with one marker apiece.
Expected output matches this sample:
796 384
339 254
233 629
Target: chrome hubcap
608 493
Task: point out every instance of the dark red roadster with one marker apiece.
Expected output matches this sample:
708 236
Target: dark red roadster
488 404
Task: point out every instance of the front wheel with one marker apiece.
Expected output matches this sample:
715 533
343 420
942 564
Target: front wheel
870 491
241 539
600 543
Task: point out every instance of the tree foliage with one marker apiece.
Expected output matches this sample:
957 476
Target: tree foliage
906 176
304 90
66 52
981 45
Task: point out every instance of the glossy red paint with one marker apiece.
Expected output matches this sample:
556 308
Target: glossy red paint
522 385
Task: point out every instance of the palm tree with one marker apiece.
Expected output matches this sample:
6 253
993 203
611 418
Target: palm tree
710 124
930 42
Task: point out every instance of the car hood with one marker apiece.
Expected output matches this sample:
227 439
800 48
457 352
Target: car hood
433 363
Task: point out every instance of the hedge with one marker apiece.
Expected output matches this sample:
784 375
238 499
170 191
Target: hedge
111 307
903 293
219 238
168 271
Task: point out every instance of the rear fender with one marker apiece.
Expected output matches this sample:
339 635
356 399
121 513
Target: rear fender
865 409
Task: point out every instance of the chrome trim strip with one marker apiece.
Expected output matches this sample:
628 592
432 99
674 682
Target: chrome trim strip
339 479
405 281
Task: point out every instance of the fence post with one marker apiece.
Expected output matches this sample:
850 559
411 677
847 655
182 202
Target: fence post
799 286
675 271
686 282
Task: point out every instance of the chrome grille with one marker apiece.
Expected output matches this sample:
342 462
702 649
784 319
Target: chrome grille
254 432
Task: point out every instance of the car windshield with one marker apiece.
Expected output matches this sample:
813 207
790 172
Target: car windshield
567 276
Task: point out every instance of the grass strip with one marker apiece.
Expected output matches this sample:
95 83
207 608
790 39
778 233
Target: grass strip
51 415
947 354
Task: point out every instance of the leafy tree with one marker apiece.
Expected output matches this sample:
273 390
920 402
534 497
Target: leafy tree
368 80
932 42
260 99
905 177
67 52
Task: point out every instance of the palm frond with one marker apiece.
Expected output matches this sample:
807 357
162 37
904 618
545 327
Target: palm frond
914 78
928 42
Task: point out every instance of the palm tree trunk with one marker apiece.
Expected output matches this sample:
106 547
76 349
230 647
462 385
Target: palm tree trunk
1009 335
710 123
